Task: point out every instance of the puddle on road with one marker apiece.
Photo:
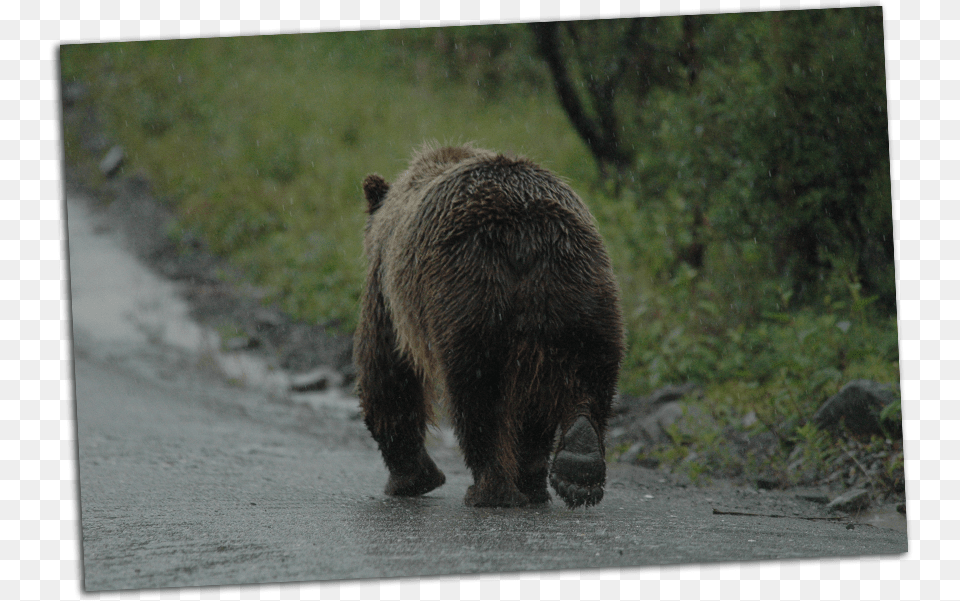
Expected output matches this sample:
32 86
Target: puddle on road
118 302
120 308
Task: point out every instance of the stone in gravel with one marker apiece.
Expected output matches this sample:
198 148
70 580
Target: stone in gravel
649 462
112 161
814 497
241 343
857 407
73 92
630 455
654 427
266 318
852 500
315 380
768 483
672 393
625 403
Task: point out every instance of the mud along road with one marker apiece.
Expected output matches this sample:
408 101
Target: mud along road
188 477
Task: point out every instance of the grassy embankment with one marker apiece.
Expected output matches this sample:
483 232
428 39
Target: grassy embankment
261 143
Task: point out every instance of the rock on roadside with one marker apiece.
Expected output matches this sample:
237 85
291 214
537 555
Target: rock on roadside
857 408
853 500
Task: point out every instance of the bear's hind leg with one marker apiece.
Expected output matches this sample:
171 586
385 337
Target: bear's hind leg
399 434
536 442
579 471
398 424
419 478
487 434
394 408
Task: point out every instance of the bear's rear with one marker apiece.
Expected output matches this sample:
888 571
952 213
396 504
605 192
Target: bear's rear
489 281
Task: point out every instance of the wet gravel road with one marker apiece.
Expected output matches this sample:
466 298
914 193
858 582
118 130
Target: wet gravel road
188 480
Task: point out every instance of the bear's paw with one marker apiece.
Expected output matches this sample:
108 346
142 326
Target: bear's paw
425 477
579 472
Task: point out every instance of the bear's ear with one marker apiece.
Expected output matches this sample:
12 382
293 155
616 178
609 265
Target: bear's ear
375 188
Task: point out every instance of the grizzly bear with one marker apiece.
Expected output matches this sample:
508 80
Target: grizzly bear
488 286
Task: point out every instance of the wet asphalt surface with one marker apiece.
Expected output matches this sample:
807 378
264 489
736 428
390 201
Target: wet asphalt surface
191 475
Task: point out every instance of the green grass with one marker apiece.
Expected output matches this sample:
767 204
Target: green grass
260 145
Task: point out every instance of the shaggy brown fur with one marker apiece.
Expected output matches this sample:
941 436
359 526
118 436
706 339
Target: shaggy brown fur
488 285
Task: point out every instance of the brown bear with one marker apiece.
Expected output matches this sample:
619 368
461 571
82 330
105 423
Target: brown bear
489 286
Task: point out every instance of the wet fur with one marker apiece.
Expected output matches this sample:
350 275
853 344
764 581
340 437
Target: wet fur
488 285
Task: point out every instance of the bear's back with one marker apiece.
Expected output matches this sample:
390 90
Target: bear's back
450 195
493 246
